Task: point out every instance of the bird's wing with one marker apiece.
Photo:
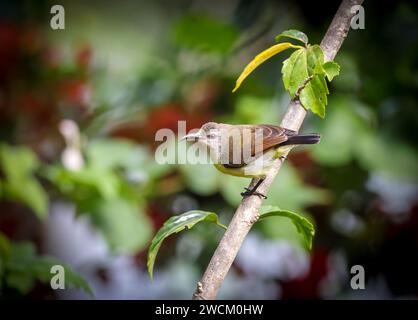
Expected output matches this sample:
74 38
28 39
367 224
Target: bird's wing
255 140
272 135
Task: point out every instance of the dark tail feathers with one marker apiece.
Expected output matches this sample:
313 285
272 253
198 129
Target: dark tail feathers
310 138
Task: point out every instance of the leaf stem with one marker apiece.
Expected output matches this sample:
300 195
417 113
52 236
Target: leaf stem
302 86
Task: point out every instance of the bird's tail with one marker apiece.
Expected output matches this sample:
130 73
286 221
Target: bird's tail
310 138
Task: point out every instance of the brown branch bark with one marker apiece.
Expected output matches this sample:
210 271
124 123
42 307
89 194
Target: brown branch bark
248 211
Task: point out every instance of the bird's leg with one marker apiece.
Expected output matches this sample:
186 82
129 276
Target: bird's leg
253 191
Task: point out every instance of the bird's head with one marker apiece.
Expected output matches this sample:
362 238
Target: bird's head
209 134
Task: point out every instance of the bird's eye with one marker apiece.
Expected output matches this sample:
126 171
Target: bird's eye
210 136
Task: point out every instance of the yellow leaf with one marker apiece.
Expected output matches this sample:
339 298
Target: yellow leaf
260 58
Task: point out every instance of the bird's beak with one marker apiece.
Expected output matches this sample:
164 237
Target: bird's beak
192 136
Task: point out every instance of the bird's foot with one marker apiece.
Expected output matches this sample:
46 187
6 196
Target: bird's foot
250 192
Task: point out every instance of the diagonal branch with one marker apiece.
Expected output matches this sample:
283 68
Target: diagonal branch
248 211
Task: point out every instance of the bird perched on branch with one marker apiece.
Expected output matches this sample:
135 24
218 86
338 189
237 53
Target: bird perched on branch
248 150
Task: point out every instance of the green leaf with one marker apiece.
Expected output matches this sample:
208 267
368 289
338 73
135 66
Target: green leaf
315 59
303 225
260 58
174 225
303 72
332 69
314 96
295 71
293 34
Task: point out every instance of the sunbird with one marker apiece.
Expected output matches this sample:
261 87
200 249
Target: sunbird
248 150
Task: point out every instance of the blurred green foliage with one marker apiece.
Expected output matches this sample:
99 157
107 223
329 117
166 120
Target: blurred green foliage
19 165
21 268
350 132
111 188
208 35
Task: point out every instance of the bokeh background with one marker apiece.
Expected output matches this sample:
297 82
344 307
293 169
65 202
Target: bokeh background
79 109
